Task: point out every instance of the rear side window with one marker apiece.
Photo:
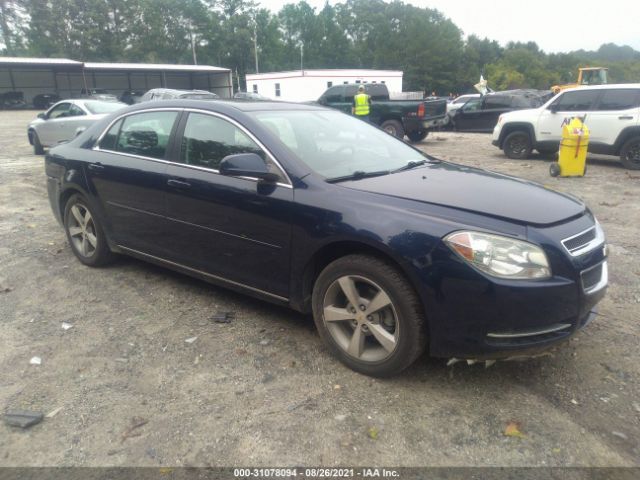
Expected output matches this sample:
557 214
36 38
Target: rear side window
576 101
619 99
110 139
496 101
208 139
377 92
146 134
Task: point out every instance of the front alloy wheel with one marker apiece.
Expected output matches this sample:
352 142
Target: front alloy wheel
361 318
369 315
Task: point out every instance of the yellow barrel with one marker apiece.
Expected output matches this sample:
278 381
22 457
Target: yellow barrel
573 149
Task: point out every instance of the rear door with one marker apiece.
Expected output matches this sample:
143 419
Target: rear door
616 110
576 103
235 228
492 107
127 171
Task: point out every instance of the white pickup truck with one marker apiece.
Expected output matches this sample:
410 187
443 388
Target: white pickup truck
612 113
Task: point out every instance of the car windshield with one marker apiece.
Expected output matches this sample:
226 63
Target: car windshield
336 145
97 107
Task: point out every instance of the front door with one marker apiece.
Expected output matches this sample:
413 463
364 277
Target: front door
50 130
231 227
567 105
127 171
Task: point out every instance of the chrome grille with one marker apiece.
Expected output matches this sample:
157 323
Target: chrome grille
585 241
581 240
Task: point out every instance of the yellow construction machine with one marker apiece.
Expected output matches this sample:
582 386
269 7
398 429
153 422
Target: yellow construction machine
586 76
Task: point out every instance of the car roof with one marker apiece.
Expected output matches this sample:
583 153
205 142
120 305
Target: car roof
602 87
222 105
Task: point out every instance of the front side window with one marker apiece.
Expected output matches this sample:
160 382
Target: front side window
472 105
146 134
208 139
619 99
58 111
576 101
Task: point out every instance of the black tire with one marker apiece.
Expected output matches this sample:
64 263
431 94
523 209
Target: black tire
418 136
97 252
554 169
38 149
393 127
403 318
630 154
517 145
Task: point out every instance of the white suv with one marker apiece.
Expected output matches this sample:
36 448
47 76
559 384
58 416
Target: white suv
612 113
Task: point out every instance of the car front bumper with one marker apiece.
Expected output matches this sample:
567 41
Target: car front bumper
475 316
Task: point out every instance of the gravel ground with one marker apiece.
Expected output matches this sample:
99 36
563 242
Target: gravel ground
262 390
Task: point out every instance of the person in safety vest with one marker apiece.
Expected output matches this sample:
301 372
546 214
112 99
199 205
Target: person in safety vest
361 104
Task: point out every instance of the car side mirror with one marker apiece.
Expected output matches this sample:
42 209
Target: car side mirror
553 108
42 115
247 165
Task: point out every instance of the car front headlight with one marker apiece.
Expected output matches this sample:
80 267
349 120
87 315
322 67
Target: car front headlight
499 256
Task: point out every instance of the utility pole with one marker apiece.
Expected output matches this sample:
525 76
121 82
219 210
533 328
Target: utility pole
255 44
301 57
193 44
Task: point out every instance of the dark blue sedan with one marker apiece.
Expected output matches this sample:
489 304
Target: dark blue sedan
393 251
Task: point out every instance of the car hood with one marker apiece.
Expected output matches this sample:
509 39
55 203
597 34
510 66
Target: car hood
477 191
525 114
35 121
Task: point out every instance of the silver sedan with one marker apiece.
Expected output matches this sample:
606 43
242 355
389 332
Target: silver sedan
64 120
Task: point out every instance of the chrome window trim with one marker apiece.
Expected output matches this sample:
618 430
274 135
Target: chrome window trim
194 167
597 241
200 272
604 278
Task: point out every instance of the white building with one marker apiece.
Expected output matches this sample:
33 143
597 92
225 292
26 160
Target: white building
308 85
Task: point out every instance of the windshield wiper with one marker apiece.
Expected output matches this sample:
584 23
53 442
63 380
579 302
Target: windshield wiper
357 175
409 166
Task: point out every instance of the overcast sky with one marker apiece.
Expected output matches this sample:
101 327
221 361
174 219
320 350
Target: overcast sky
555 25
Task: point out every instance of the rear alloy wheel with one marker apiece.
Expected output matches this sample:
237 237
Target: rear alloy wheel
418 136
369 315
38 149
85 234
630 154
393 127
517 145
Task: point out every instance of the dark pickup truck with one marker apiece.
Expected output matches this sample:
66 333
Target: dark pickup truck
412 118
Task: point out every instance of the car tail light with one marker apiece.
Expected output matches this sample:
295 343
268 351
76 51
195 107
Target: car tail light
421 110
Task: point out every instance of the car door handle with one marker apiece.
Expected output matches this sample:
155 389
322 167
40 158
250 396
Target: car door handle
172 182
626 117
96 166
